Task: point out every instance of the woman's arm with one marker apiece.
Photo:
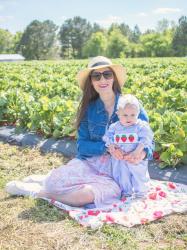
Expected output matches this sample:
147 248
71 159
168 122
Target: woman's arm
108 137
143 114
148 149
85 146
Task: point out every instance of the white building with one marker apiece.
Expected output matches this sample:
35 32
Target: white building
11 58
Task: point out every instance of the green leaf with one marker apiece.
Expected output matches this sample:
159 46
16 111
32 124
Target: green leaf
56 133
163 164
165 156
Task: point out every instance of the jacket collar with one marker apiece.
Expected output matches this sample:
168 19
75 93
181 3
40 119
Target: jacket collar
100 105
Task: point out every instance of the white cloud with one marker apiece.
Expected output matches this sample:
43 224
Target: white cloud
6 3
1 7
62 18
142 14
4 19
11 2
166 10
109 20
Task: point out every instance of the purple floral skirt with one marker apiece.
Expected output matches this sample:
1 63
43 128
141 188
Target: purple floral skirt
94 172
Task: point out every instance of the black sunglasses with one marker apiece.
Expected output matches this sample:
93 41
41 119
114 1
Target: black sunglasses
96 76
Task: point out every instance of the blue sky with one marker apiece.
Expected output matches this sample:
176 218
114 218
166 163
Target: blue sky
15 15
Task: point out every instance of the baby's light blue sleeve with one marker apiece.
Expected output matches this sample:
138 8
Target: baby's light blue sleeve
108 137
145 135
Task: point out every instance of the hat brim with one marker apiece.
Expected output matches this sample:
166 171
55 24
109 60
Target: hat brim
118 69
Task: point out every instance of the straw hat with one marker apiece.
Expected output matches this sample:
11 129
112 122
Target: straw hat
100 62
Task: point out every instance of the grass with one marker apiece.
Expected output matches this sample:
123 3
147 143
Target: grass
26 223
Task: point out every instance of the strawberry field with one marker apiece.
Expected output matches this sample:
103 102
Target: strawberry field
43 97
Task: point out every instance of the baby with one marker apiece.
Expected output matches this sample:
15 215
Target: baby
132 135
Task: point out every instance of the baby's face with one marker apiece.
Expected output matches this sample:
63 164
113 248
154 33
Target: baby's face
128 115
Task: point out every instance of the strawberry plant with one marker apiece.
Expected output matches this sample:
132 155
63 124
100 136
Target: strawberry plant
43 96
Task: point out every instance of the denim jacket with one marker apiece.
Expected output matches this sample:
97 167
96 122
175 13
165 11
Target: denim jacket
93 126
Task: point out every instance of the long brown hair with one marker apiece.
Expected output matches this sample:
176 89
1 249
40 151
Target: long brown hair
90 94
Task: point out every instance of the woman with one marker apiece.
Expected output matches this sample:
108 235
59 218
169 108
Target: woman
81 181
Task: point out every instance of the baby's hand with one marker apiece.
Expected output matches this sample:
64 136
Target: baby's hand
128 156
112 148
136 154
135 157
116 152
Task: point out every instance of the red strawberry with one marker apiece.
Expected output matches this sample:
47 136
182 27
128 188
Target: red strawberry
171 185
109 218
144 220
123 138
156 155
158 214
158 188
131 138
162 194
93 213
152 196
117 138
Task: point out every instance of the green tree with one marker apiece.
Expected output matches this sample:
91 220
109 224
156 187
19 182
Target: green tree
73 35
16 40
149 31
96 45
6 42
136 50
179 42
113 27
162 25
38 40
125 30
134 36
96 28
117 44
155 44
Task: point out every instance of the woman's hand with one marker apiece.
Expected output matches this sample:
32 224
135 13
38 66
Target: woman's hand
133 157
115 152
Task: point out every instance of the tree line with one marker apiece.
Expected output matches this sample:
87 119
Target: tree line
77 38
